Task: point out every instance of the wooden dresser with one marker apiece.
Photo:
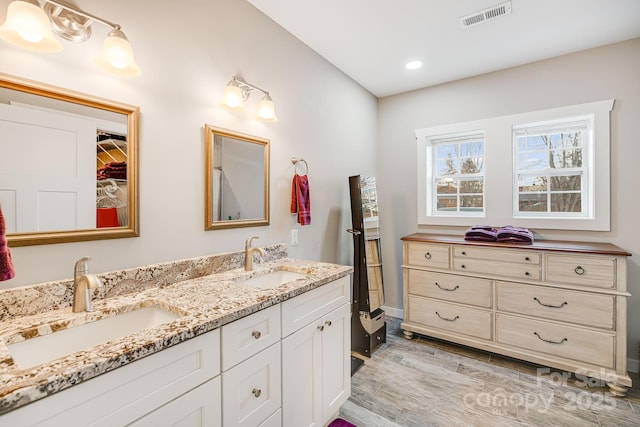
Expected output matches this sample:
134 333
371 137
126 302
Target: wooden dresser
555 303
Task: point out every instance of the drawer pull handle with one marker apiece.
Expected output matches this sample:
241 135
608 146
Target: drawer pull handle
447 289
256 392
526 273
550 305
448 320
256 334
321 327
463 253
527 258
463 266
549 341
579 270
328 322
427 255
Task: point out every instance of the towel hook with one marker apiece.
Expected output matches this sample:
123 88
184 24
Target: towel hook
295 163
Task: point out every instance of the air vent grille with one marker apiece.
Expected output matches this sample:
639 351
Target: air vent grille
486 14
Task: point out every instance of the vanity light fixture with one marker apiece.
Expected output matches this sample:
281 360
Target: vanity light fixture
238 91
32 27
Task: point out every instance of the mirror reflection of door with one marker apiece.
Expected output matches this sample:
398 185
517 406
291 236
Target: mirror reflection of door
371 225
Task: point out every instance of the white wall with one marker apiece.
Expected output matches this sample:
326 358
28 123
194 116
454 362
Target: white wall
188 52
603 73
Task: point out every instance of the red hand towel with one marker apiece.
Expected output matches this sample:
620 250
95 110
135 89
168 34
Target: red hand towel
300 200
6 265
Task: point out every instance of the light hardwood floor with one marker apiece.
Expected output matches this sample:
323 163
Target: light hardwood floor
426 382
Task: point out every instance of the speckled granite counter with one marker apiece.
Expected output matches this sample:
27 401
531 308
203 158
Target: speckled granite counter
205 302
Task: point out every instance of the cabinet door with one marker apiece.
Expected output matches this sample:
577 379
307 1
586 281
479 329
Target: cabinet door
302 377
336 360
199 408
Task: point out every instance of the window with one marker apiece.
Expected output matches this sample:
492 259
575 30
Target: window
551 168
546 169
458 182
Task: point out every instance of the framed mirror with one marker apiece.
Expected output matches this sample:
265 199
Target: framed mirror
237 179
68 165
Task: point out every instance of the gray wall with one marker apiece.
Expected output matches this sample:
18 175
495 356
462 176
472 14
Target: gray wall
597 74
187 56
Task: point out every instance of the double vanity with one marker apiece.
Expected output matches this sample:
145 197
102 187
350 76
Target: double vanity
194 342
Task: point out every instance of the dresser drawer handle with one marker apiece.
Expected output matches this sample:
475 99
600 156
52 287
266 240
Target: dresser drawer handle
579 270
550 305
327 322
463 266
526 273
427 255
447 289
256 392
527 258
256 334
549 341
320 328
463 253
448 320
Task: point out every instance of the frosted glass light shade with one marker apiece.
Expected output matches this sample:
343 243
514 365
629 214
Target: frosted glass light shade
28 26
232 97
266 110
117 55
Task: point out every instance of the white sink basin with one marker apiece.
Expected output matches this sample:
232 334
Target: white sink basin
48 347
273 279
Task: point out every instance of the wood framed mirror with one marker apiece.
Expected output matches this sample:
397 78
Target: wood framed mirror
236 179
68 165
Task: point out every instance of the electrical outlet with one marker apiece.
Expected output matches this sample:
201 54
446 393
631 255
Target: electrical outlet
294 237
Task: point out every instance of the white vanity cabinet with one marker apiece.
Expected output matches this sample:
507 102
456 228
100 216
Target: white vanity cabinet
185 378
556 303
251 377
316 364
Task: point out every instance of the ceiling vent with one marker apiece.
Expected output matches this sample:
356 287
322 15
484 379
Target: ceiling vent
485 15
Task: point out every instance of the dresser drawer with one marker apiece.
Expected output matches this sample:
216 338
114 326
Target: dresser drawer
252 389
427 255
450 287
245 337
570 342
493 268
599 272
503 255
557 304
450 317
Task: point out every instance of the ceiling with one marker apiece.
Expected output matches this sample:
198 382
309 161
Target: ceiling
372 40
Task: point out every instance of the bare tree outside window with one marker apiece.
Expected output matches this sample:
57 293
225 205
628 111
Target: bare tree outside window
460 174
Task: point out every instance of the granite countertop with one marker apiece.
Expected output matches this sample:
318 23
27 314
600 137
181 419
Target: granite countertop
204 303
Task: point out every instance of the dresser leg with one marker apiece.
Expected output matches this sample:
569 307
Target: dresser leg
617 389
407 334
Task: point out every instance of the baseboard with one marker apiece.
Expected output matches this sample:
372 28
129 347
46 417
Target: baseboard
393 312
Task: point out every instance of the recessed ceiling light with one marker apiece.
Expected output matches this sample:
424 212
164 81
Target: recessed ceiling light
413 65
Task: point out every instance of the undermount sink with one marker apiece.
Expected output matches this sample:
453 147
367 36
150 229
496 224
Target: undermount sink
273 279
48 347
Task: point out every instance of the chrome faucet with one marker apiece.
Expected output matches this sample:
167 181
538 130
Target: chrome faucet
248 253
83 284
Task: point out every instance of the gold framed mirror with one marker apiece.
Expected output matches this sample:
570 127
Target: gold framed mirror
236 179
69 165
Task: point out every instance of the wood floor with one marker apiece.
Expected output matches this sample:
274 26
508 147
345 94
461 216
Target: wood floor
426 382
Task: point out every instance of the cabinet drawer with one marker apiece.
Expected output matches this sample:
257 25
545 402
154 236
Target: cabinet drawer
563 341
557 304
503 269
503 255
245 337
599 272
450 317
301 310
251 390
427 255
450 287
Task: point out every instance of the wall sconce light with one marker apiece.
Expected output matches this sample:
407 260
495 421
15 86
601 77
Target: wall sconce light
32 27
238 91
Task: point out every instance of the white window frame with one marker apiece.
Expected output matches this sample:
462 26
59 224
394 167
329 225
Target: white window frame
499 186
583 123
